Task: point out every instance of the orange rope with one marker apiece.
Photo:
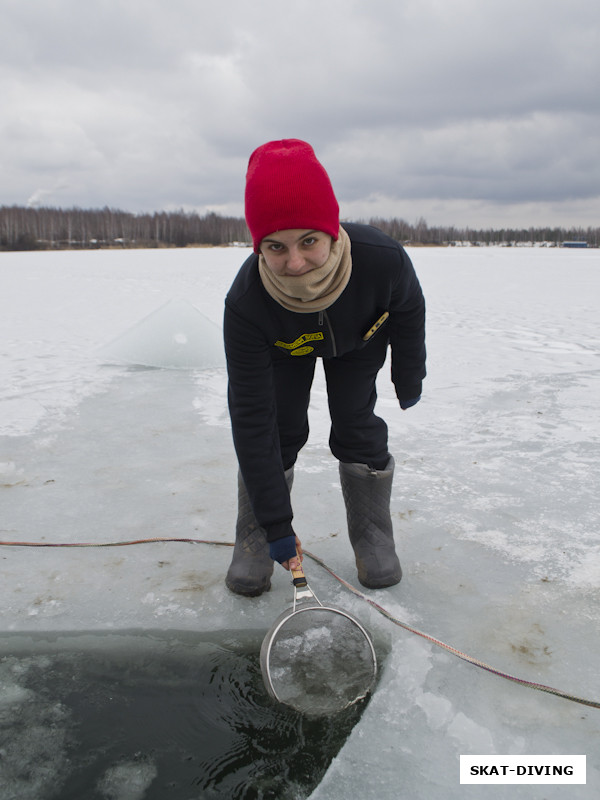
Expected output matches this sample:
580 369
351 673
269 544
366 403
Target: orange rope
112 544
470 659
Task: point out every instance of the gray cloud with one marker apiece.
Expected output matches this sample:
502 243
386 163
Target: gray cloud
466 110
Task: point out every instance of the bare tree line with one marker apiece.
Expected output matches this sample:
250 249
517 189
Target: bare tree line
24 228
422 234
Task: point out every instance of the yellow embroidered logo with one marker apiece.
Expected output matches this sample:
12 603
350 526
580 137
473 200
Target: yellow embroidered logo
301 340
302 351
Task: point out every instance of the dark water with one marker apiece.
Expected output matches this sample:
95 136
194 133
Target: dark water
161 716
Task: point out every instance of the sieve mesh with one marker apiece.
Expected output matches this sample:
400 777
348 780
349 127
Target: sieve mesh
318 659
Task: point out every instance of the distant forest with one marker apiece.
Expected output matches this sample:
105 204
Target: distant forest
23 228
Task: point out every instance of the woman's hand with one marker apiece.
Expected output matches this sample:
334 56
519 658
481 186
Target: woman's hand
286 550
294 563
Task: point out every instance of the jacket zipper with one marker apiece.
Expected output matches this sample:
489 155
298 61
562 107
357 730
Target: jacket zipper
324 318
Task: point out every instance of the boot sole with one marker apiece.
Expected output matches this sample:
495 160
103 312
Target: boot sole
248 591
381 583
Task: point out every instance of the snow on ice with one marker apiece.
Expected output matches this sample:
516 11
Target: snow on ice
496 498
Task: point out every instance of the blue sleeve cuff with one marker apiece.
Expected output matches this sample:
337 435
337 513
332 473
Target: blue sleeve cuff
404 404
283 549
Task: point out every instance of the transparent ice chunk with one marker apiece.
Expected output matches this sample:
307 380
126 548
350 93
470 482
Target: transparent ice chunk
175 336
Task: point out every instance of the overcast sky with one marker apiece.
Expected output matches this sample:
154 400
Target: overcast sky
465 112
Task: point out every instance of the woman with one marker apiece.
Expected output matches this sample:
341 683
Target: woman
314 289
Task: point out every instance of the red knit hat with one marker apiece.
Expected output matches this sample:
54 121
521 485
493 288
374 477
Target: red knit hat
286 187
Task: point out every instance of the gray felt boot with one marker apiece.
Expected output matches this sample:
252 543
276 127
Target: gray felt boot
367 495
251 566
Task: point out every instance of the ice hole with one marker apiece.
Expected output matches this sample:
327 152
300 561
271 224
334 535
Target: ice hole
150 715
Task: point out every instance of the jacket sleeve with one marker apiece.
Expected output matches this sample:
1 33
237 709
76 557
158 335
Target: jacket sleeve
407 331
252 409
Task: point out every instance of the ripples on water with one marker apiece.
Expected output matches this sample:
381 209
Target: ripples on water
153 716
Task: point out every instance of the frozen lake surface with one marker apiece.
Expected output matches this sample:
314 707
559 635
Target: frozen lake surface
495 502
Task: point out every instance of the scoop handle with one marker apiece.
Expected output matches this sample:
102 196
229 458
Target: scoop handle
299 578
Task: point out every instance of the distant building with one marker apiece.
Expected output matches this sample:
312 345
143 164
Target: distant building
574 244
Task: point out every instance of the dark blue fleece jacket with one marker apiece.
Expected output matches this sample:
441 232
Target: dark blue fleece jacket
259 330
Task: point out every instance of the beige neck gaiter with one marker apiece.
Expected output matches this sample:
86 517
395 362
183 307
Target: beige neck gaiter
315 290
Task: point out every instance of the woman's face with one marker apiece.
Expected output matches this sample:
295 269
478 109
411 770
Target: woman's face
295 251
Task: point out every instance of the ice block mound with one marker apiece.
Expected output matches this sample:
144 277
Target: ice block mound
175 336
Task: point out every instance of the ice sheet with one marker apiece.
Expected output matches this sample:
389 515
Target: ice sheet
495 502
